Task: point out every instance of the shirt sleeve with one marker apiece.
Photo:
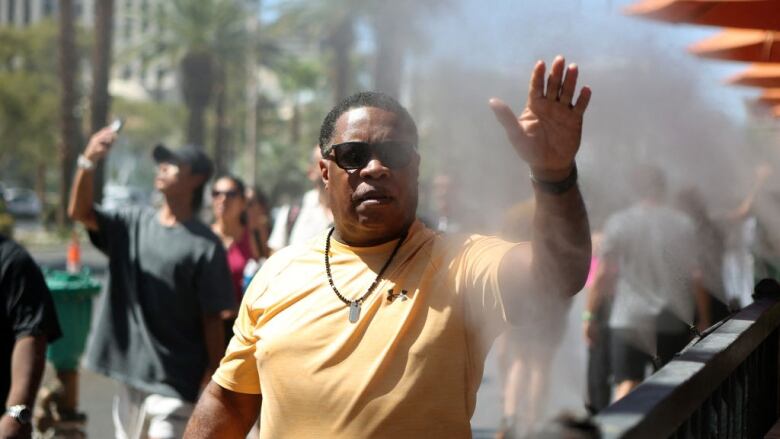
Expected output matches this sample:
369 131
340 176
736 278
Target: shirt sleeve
237 371
112 228
215 284
30 307
475 270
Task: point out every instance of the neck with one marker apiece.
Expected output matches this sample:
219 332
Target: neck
175 209
368 238
230 227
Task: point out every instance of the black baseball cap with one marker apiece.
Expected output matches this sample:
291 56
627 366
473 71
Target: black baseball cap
197 160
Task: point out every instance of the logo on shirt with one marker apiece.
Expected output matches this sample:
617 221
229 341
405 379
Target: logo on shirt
402 295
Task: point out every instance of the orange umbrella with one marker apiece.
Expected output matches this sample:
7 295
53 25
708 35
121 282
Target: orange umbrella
749 14
758 75
740 45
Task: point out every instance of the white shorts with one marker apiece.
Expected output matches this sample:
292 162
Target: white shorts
143 415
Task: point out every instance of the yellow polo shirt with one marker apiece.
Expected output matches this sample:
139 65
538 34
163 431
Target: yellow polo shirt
406 368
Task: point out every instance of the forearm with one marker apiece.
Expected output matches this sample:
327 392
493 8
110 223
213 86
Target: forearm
27 363
82 198
223 414
561 241
214 338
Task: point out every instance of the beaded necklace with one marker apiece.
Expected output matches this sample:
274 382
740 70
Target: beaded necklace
354 305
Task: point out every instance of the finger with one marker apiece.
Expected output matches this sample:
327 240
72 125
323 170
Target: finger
582 101
506 117
569 84
536 85
555 78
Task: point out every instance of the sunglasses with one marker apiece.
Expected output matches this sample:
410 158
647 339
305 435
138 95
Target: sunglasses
228 194
355 155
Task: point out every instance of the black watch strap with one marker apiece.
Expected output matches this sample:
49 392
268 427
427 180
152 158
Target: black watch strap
557 187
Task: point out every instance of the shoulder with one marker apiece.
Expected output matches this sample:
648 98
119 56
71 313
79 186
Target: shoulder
284 262
11 252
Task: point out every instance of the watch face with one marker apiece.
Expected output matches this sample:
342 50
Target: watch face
21 413
25 416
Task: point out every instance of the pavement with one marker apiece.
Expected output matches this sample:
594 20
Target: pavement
567 382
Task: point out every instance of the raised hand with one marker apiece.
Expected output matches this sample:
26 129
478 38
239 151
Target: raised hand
548 132
99 144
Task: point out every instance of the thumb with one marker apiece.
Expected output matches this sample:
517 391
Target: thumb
507 118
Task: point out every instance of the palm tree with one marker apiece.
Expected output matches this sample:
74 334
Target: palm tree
396 29
332 23
69 121
200 37
100 100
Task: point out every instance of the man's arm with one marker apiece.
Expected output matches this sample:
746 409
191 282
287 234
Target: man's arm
214 337
82 199
27 362
223 414
547 136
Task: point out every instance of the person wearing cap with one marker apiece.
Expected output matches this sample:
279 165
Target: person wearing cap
158 331
379 326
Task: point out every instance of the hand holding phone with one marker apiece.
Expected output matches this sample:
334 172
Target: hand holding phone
116 125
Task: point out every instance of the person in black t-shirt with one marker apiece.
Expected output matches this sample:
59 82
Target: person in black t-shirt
159 330
27 322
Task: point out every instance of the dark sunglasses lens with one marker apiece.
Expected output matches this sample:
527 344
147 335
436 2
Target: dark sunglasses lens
394 155
352 155
227 194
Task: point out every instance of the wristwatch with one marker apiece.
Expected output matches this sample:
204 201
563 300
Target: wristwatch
21 413
84 163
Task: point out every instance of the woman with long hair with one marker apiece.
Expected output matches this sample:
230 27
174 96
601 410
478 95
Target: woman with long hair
228 203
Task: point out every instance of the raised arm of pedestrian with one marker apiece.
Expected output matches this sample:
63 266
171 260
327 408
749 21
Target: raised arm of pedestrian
547 137
223 414
27 362
82 198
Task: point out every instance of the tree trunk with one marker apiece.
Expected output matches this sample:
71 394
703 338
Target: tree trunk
197 83
195 129
40 188
295 124
70 137
220 130
341 41
100 100
389 56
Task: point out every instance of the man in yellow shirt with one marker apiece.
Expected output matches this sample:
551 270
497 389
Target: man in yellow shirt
379 327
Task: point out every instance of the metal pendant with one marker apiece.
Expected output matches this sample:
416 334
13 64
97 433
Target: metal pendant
354 311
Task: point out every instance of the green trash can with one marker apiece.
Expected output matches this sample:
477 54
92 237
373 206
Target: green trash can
72 295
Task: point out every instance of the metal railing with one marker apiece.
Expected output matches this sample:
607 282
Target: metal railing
724 385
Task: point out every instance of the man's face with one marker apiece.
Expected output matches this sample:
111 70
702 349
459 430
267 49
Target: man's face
374 203
173 179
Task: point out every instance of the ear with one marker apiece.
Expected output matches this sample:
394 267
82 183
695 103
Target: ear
323 164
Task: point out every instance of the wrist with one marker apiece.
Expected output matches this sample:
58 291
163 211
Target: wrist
588 316
555 182
85 163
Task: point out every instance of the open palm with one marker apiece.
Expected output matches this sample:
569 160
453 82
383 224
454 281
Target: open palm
548 132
